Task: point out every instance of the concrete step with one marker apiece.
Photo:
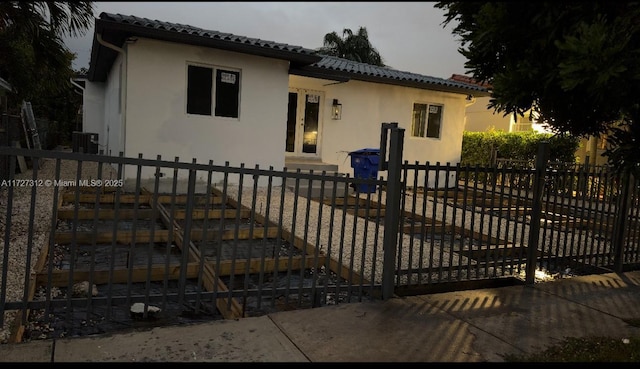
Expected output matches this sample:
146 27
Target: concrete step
316 166
342 189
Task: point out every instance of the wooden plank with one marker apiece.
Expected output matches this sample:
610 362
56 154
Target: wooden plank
160 235
122 237
198 214
17 328
60 278
105 214
129 198
22 164
230 309
334 265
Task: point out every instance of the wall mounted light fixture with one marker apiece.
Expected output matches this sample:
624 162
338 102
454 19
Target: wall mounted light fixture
336 110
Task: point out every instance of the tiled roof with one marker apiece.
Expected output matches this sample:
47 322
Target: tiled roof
116 28
195 31
467 79
356 69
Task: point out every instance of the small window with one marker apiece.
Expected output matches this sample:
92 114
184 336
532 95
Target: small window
201 87
199 90
227 93
427 120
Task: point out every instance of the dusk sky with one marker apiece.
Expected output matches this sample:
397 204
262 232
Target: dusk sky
408 35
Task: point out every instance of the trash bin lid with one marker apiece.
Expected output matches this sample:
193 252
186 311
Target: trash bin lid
366 152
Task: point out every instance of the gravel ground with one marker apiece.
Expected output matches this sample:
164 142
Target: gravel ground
19 239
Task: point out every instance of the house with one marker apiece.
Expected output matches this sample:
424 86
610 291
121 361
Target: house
155 87
479 117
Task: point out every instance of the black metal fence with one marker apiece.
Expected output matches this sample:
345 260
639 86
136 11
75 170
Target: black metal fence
85 251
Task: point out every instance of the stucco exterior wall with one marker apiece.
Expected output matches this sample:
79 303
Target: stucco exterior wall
93 110
365 106
113 130
157 122
480 118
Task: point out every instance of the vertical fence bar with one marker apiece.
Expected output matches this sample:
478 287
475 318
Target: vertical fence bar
154 216
236 236
327 266
73 248
96 206
265 241
172 230
114 236
252 220
534 227
403 201
622 212
7 236
52 244
276 252
186 238
220 238
315 295
27 271
205 239
134 227
463 221
305 238
392 211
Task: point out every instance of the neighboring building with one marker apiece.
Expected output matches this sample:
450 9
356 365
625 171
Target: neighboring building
163 88
479 117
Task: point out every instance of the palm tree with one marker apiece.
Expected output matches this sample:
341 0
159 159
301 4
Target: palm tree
356 47
33 57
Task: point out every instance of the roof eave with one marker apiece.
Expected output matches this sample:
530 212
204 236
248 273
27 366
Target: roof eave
318 74
120 31
343 75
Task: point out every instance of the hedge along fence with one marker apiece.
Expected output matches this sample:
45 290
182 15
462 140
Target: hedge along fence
478 147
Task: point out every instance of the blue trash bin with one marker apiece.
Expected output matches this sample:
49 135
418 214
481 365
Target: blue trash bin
365 165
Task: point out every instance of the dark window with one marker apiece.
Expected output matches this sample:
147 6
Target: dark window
199 90
427 120
227 93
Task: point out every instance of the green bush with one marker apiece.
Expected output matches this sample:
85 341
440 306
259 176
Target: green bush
477 147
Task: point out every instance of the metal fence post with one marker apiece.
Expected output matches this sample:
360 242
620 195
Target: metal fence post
392 206
534 226
620 225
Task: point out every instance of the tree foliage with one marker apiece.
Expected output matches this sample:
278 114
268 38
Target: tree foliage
33 57
576 64
38 65
356 47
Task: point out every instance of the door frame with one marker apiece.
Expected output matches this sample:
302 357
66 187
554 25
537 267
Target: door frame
300 111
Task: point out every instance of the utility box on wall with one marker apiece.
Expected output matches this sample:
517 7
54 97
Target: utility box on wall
84 142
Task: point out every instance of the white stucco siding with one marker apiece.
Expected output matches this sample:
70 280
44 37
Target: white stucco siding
365 106
93 110
113 110
157 122
481 118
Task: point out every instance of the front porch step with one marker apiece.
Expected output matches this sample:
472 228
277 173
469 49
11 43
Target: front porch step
342 189
317 166
306 165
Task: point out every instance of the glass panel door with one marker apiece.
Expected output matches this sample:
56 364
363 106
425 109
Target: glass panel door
303 123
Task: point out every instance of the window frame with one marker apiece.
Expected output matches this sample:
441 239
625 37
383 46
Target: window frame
214 88
426 123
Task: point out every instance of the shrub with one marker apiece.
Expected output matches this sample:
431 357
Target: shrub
477 147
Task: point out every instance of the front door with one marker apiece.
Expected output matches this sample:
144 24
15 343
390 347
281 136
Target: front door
303 123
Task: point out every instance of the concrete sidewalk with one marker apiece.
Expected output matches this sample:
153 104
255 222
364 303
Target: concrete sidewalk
465 326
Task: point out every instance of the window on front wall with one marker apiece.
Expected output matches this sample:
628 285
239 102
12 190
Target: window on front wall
206 94
427 120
